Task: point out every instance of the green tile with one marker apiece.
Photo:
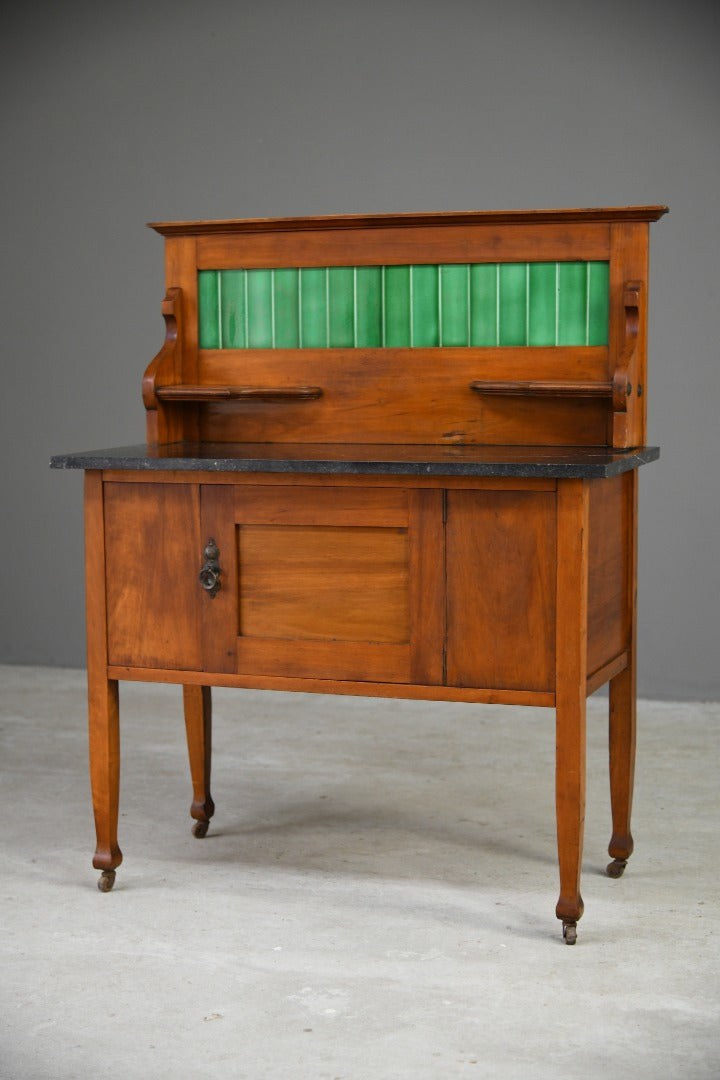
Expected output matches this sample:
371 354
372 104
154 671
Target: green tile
425 313
208 310
572 303
259 308
286 308
598 303
313 307
396 303
341 307
368 307
454 305
483 304
232 305
423 306
512 304
542 303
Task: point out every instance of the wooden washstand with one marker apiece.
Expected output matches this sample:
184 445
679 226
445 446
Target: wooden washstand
392 456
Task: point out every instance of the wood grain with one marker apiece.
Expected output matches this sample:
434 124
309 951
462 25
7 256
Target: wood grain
623 693
197 703
356 687
153 553
103 701
427 586
409 220
404 396
328 583
607 585
629 262
181 422
397 245
570 690
324 504
501 590
324 582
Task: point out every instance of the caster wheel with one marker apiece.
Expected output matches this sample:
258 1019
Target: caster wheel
200 829
570 933
106 880
616 868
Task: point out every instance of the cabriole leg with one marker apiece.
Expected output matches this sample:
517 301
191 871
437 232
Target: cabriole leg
104 730
198 724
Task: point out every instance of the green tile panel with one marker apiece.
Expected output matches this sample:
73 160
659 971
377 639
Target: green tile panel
419 306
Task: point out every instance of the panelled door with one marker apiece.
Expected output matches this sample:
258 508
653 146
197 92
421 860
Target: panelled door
336 582
152 550
332 582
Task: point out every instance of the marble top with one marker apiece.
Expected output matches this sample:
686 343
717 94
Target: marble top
366 459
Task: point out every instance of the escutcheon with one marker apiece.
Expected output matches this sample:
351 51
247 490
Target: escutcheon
209 576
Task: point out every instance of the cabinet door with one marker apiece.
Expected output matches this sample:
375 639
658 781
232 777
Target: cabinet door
332 582
152 551
501 589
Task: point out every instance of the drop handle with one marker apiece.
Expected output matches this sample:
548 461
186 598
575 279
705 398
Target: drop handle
209 576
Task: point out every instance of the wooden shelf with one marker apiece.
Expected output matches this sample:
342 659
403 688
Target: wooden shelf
536 389
238 393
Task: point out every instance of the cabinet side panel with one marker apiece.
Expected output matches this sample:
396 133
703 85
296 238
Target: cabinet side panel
501 590
153 549
607 587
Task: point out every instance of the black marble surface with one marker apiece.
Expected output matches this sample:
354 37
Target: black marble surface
369 460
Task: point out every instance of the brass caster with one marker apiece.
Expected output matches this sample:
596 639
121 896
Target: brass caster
200 829
616 868
106 880
570 932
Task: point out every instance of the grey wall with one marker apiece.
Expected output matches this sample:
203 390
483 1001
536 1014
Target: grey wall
114 115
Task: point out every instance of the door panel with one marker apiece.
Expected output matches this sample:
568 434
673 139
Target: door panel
322 582
501 589
325 583
152 552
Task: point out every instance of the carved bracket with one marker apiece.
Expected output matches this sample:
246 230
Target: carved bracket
167 361
621 384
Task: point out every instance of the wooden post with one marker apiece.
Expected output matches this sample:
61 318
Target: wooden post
197 701
103 701
622 703
570 695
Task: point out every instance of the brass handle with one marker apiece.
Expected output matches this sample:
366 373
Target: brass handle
209 576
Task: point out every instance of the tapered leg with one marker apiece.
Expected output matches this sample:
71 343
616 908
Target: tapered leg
103 701
198 724
570 805
104 732
622 767
570 696
623 701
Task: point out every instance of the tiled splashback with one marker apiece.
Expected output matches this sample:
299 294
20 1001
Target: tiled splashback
420 306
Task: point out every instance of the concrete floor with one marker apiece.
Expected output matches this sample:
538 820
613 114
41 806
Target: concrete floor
375 899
